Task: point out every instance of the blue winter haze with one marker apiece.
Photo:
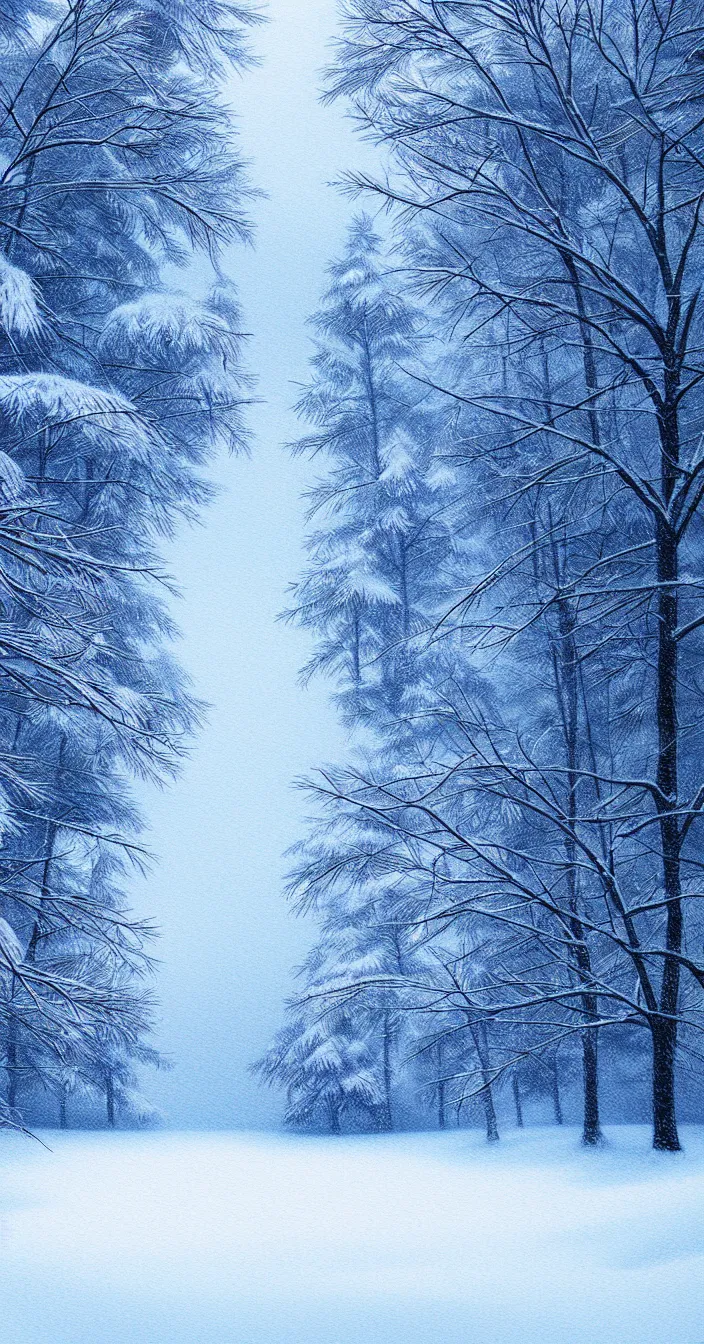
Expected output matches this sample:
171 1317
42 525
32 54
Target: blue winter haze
228 941
351 641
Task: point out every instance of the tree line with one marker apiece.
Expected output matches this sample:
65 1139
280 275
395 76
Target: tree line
503 576
119 377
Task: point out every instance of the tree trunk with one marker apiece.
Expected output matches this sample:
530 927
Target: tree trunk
517 1102
442 1087
664 1029
63 1123
387 1114
11 1066
567 682
665 1136
334 1118
482 1047
441 1104
492 1128
556 1100
45 887
591 1131
110 1100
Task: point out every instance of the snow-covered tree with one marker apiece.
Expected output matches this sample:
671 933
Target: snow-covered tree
118 165
327 1072
542 785
381 508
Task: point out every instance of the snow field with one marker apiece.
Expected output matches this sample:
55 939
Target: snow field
168 1238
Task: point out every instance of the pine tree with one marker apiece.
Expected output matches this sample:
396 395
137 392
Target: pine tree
115 389
326 1069
382 506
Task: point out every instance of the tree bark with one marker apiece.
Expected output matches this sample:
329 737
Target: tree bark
441 1087
517 1102
110 1100
479 1036
388 1117
556 1099
492 1128
664 1038
13 1048
591 1130
664 1029
441 1104
567 682
11 1066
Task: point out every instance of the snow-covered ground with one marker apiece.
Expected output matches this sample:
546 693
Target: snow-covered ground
253 1239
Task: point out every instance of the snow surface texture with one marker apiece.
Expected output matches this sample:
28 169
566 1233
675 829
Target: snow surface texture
254 1239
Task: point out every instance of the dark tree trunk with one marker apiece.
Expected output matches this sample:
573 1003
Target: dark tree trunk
492 1128
517 1102
664 1030
665 1136
442 1086
38 930
479 1036
110 1100
591 1131
588 359
556 1099
387 1113
441 1104
11 1066
334 1118
63 1121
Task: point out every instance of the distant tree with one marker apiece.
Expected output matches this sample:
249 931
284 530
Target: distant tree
381 508
326 1070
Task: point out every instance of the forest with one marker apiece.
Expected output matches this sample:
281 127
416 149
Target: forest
505 419
120 377
503 577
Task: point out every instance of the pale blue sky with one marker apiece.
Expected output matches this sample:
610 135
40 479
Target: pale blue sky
228 942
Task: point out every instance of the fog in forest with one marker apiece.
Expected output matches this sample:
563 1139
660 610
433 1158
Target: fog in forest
351 650
228 942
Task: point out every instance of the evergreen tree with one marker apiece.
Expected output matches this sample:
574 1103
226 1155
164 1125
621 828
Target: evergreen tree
382 505
119 164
